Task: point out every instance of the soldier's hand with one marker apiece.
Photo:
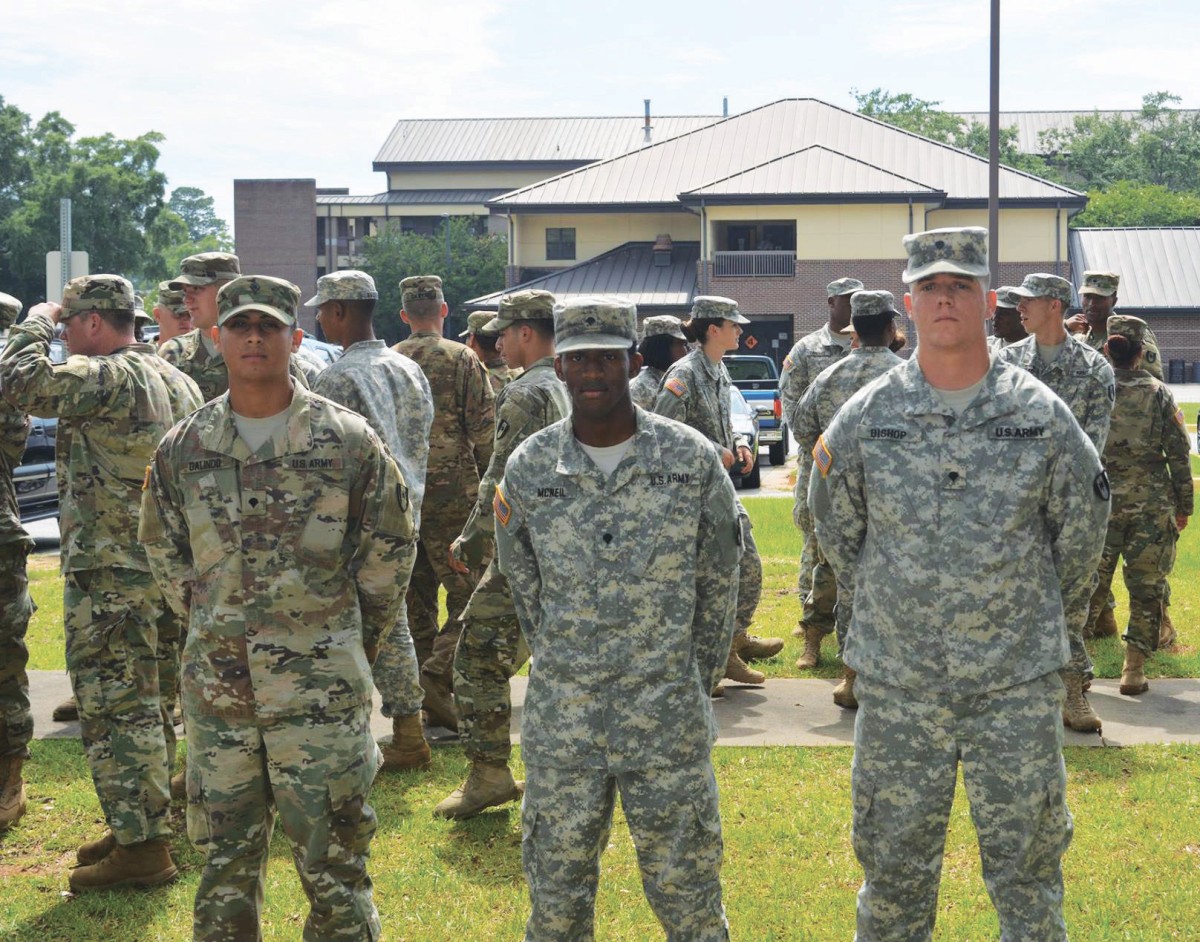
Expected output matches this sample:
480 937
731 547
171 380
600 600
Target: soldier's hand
747 459
726 458
1181 521
1077 324
47 309
454 556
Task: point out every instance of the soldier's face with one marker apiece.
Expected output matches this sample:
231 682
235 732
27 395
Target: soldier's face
678 349
949 310
1006 324
1038 313
839 311
79 333
1097 308
330 323
256 346
597 380
201 301
171 325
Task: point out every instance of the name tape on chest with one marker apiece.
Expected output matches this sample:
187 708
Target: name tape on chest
200 465
501 508
675 386
822 456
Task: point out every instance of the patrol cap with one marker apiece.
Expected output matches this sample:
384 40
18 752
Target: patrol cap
421 288
1127 326
959 251
714 307
1006 298
531 304
843 286
349 285
594 324
1044 285
476 321
866 305
170 299
205 269
97 293
10 309
662 325
139 310
1103 283
272 296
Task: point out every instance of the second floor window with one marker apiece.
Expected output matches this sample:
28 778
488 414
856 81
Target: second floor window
560 244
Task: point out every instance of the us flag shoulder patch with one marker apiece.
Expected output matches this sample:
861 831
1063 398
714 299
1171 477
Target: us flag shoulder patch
501 507
1179 417
675 386
787 362
822 456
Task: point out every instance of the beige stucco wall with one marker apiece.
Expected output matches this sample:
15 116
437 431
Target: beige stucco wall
596 233
827 231
1025 234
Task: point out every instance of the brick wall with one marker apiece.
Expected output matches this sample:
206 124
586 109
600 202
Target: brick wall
274 234
1178 337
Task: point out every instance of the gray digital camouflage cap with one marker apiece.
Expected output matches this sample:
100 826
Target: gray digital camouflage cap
843 286
96 293
594 324
476 321
10 310
662 325
205 269
1042 284
960 251
528 305
348 285
273 296
715 307
1128 326
1103 283
171 300
1006 298
872 304
421 288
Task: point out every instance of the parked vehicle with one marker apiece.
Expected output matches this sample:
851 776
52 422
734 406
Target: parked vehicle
758 379
745 422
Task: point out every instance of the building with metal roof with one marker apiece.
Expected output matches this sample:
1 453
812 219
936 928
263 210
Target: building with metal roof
1032 125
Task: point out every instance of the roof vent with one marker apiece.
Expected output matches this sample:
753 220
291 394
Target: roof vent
647 127
662 251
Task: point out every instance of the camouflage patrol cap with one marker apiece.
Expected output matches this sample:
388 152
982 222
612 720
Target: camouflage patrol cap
872 304
10 309
1006 298
272 296
206 269
594 324
139 310
96 293
349 285
714 307
528 305
843 286
170 299
1042 284
476 321
1103 283
662 325
961 251
421 288
1127 326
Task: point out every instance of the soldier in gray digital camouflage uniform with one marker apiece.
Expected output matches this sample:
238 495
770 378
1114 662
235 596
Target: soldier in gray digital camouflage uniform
483 345
389 390
290 521
115 399
873 315
1083 380
490 649
959 502
1006 320
662 344
618 531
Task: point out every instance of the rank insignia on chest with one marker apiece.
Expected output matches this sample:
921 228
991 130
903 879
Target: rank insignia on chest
501 507
822 457
675 386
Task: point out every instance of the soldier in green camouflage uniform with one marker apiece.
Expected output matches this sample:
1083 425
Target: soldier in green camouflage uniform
16 720
289 521
1147 459
958 501
460 446
483 345
873 316
618 531
1006 320
171 313
490 650
115 400
661 345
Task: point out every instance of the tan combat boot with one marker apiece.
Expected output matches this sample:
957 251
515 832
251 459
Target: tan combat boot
1133 678
1166 631
66 711
407 748
752 648
1077 713
843 693
812 650
146 864
739 671
12 790
439 702
94 851
488 784
1106 624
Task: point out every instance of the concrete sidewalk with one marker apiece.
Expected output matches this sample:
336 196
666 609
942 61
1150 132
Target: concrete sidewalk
802 713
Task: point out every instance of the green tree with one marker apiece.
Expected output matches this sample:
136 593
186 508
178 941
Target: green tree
476 267
1126 203
910 113
195 208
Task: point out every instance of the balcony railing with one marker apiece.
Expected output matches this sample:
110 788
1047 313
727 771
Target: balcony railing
754 264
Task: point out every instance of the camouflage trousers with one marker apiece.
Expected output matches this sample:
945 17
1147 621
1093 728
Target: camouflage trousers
169 630
675 824
316 772
822 599
803 519
395 668
1145 541
750 576
907 749
110 617
431 570
16 720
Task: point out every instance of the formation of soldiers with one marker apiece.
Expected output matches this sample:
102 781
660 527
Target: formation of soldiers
265 541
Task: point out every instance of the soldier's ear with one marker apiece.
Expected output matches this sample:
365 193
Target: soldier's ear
215 333
297 336
907 302
635 364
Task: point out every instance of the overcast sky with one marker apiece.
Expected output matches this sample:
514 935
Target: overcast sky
262 88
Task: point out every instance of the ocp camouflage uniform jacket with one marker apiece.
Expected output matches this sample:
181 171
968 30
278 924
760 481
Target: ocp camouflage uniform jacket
500 374
625 587
1151 356
209 372
113 411
1080 376
282 562
960 539
695 391
804 362
14 429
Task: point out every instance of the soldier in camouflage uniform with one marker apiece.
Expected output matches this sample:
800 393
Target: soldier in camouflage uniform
618 531
490 649
16 720
290 522
483 345
1147 460
1006 320
114 400
171 313
662 344
1083 380
960 503
389 390
873 315
460 446
695 391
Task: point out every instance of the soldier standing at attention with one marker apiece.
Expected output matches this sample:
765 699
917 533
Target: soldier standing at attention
460 446
1006 320
662 344
958 494
489 651
290 522
171 313
1082 379
483 345
389 390
573 514
115 400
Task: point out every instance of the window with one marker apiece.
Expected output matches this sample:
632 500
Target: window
560 244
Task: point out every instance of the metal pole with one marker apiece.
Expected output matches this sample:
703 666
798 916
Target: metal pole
994 151
64 240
